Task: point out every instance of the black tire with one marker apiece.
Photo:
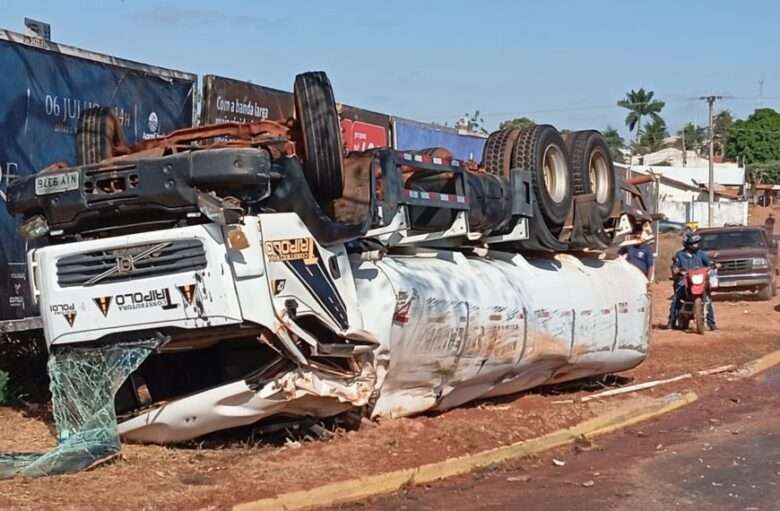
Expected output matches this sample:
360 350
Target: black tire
592 170
765 293
698 315
535 147
497 155
683 322
323 158
95 135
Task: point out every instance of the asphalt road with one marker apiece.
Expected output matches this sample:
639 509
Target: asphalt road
721 453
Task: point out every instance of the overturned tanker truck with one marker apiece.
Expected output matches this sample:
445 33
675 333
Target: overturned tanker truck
230 273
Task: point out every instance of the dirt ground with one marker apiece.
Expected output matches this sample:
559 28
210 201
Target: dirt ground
240 467
719 453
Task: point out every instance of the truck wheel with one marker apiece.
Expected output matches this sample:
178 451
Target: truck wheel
497 155
765 293
592 170
541 150
97 133
698 315
315 109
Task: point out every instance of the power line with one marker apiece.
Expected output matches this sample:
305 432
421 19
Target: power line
673 100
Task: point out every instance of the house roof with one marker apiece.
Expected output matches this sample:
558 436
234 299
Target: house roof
723 175
669 181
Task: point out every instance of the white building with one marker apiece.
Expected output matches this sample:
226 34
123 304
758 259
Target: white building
681 193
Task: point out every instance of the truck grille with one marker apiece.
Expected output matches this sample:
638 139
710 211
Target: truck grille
735 265
123 264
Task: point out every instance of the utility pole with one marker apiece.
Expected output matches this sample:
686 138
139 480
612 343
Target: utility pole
711 200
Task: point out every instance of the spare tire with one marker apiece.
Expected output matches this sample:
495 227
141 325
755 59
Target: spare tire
97 134
323 158
497 155
541 150
592 169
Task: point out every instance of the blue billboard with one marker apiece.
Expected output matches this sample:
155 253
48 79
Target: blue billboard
413 135
44 89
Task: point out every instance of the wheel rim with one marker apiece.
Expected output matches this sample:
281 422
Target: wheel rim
599 176
555 174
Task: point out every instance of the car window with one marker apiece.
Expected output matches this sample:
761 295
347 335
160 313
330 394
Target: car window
732 239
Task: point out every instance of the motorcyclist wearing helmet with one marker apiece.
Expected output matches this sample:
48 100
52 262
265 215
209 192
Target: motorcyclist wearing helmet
689 257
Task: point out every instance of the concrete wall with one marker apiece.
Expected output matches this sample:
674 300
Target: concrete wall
678 194
725 212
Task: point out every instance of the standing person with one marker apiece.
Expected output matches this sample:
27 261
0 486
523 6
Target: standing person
769 225
689 257
640 255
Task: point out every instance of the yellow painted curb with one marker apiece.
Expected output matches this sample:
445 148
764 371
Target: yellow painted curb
356 489
761 364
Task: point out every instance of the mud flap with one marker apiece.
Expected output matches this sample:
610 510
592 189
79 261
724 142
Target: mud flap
540 239
587 231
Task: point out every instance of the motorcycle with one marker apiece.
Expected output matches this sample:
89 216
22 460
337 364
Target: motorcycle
697 292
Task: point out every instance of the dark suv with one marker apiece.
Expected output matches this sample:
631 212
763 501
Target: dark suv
747 258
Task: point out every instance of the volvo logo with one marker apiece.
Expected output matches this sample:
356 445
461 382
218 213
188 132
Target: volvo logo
125 264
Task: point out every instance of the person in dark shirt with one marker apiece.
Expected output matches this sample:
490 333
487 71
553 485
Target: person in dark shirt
640 256
769 225
689 257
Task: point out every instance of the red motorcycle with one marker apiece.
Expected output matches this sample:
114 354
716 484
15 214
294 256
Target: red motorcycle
697 291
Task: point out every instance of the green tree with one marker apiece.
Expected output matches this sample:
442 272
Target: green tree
615 143
721 124
765 172
757 138
3 387
692 136
652 137
640 103
517 122
473 123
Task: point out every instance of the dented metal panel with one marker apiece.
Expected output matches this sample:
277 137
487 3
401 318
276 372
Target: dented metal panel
469 327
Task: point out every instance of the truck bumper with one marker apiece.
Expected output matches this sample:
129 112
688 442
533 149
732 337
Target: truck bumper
742 282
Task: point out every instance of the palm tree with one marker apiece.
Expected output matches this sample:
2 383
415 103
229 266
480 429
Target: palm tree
615 143
473 123
640 103
653 135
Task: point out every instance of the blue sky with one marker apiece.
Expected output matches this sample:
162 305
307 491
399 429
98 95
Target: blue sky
564 63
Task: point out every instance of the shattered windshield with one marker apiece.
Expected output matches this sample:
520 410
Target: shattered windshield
83 384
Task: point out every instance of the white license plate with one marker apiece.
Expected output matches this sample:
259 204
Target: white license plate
55 183
727 284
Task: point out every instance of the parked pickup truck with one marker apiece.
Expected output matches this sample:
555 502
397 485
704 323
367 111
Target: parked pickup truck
747 259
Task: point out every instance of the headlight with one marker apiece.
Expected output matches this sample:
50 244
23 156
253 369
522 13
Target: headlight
697 279
34 227
759 262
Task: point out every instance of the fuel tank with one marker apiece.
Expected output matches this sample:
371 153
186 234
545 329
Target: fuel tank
455 328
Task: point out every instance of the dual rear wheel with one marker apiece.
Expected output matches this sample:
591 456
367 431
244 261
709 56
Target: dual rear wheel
560 169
